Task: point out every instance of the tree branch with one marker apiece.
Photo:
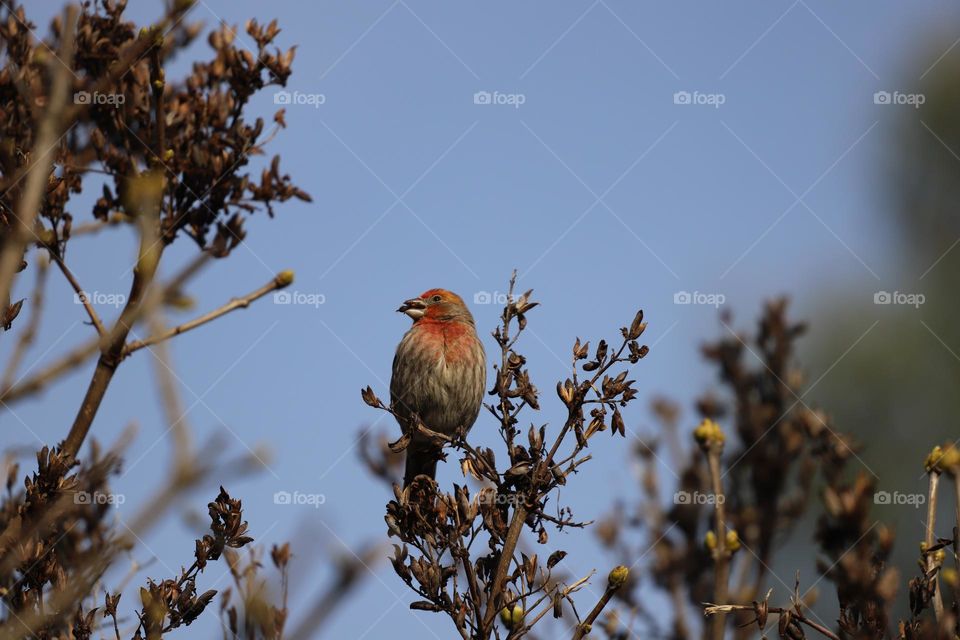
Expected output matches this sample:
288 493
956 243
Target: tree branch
82 352
282 279
723 609
30 331
722 555
931 562
500 576
111 353
618 577
81 294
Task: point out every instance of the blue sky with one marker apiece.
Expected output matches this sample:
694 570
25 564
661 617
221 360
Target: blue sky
602 191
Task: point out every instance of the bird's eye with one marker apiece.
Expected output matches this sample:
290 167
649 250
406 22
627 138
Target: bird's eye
436 298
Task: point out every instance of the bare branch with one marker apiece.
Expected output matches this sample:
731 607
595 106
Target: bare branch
617 578
280 281
81 295
29 333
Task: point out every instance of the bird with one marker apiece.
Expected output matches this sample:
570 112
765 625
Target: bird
439 376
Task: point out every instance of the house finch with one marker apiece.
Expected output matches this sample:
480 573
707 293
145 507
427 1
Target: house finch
439 375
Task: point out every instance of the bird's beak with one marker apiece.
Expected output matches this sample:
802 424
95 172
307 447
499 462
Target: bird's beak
414 307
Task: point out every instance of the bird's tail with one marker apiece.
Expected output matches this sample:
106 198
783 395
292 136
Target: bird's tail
420 461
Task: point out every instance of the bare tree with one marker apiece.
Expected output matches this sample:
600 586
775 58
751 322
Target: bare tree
92 107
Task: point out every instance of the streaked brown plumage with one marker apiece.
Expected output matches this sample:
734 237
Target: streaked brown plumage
439 374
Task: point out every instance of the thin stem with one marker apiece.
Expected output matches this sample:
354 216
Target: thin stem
520 511
472 583
584 627
116 627
715 609
956 552
500 576
173 406
931 562
90 228
722 556
80 293
81 353
30 331
555 592
68 362
112 351
278 282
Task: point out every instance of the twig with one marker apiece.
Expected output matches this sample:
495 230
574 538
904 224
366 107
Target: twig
90 228
956 492
472 583
175 285
158 83
111 354
554 591
931 562
651 485
81 353
30 331
722 567
519 510
78 290
618 577
42 378
723 609
172 403
500 576
281 280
